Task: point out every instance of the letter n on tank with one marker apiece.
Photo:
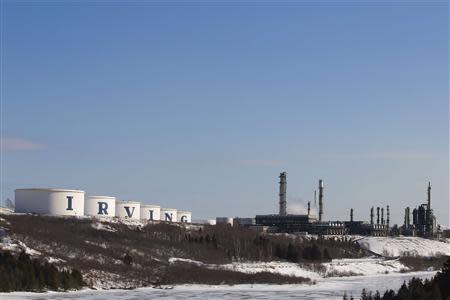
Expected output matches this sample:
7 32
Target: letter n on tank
69 203
127 209
168 217
102 208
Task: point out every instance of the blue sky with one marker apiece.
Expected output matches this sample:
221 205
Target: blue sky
199 105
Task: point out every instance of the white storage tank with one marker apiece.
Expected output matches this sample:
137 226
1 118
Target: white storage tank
58 202
224 220
184 216
150 212
128 209
100 206
168 214
211 222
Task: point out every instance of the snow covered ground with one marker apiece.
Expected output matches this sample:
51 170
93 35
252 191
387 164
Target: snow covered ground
401 246
337 268
327 288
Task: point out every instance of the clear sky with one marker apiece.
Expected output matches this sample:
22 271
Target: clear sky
200 105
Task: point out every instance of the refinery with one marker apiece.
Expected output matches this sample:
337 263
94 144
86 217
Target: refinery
424 222
67 202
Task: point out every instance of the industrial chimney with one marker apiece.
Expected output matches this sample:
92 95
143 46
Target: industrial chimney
378 216
407 215
320 200
283 194
371 215
429 195
387 216
351 215
382 216
309 208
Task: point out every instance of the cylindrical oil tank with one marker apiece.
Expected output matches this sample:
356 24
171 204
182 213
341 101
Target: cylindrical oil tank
58 202
150 212
184 216
128 209
224 220
100 206
168 214
211 222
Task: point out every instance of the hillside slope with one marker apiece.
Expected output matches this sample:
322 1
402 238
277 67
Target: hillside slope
123 254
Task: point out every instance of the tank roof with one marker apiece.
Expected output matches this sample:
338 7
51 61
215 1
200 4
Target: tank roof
127 201
50 190
108 197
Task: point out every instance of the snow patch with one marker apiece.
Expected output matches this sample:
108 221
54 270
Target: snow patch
102 226
405 246
336 268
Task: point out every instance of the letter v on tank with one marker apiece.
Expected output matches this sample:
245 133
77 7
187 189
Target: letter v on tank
100 206
128 209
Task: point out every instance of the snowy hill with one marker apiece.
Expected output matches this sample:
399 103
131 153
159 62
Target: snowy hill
405 246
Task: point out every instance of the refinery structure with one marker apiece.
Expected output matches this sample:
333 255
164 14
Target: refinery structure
423 223
65 202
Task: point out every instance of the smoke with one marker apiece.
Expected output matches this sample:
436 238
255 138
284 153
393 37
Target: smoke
300 207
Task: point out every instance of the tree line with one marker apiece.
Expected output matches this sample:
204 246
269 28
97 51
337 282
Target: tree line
438 288
22 273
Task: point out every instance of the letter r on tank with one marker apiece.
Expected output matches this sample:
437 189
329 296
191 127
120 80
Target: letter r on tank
69 203
102 208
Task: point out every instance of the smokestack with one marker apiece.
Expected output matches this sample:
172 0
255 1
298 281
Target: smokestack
378 216
320 200
309 208
429 195
351 215
371 216
387 216
382 216
407 214
315 197
283 194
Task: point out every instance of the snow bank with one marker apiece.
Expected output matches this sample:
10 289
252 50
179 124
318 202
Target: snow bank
402 246
336 268
363 266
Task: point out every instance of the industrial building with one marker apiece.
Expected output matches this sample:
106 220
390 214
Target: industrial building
296 223
378 228
312 224
424 222
68 202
